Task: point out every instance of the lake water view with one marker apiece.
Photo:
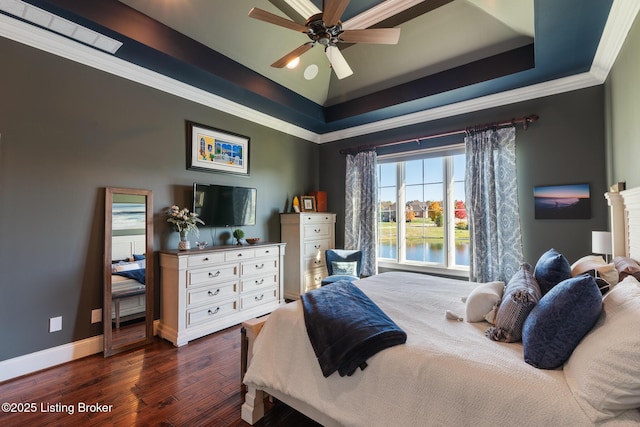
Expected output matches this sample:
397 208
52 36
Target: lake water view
426 252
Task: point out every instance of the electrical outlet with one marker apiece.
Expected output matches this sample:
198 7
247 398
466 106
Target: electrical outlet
96 315
55 324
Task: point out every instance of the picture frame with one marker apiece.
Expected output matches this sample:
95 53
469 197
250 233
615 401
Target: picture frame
570 201
307 203
214 150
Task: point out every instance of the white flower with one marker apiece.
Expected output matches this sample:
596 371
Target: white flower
183 219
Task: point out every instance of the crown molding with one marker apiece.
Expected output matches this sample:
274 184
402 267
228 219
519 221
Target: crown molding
379 13
621 18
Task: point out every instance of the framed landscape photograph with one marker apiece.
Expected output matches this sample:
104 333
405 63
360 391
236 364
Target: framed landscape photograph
562 201
214 150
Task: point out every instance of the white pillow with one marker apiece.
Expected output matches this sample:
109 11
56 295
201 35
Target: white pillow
594 262
482 300
603 372
126 267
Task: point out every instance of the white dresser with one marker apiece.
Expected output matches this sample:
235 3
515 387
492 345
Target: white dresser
307 236
204 291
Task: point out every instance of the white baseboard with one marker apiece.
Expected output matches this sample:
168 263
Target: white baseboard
22 365
29 363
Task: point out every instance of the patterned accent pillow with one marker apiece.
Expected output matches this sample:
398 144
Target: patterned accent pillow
560 320
344 268
551 269
626 267
520 296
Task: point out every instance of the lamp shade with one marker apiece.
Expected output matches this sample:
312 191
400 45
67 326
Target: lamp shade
601 242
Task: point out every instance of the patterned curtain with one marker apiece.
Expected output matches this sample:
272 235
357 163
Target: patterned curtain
361 208
492 205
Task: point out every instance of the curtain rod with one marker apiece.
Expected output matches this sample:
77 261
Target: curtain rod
524 121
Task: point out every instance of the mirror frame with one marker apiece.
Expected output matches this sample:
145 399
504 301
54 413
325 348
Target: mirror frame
109 348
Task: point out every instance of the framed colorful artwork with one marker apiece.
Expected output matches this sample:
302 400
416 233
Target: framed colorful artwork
214 150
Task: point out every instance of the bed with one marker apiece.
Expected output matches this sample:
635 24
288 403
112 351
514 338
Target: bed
448 372
128 278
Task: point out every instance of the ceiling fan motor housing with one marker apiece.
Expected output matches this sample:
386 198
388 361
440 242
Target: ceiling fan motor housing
318 31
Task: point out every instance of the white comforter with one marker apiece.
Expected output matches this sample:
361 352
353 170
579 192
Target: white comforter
447 374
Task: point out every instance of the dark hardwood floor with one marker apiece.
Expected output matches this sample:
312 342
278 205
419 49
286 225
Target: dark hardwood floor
157 385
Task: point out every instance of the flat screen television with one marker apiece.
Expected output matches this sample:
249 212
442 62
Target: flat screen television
223 205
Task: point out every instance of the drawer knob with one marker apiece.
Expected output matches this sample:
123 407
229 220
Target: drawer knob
317 262
205 259
260 267
212 294
259 282
239 254
259 298
211 313
214 275
317 246
317 230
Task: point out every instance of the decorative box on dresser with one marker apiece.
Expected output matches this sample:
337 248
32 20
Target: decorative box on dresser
307 236
206 290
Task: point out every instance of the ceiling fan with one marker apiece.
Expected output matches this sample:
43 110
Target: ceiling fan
325 28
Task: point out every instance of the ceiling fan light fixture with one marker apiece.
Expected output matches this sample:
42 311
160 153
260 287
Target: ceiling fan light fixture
293 63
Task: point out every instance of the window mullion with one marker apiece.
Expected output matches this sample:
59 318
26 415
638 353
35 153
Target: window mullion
449 232
400 213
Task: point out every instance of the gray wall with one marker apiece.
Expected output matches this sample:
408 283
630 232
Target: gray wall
67 131
565 146
623 112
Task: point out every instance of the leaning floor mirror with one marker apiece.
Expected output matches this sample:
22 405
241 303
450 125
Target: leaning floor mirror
128 269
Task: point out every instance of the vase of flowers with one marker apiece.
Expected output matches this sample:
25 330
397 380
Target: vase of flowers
184 222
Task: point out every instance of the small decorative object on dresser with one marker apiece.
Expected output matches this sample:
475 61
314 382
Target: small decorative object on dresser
308 203
184 222
238 234
212 289
252 240
307 235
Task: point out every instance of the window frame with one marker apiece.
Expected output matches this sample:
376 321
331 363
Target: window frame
401 263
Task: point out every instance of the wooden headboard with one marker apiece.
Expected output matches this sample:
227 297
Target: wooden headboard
625 222
123 247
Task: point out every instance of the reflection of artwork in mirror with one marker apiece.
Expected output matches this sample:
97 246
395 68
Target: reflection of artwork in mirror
127 302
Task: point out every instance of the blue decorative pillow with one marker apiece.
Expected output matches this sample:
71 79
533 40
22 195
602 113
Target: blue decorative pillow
560 320
138 257
520 296
551 269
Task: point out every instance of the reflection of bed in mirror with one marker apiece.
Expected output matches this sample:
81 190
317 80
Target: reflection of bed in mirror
127 280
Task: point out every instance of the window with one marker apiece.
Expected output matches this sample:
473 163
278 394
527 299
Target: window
422 218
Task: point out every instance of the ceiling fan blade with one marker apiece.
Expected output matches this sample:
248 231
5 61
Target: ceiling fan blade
372 35
333 10
338 63
271 18
282 62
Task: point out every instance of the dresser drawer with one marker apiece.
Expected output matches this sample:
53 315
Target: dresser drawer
239 254
259 266
316 248
216 274
318 261
211 295
263 297
315 219
317 231
266 251
313 279
259 282
211 312
202 260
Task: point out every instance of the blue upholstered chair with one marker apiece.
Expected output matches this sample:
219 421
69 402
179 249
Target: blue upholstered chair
342 265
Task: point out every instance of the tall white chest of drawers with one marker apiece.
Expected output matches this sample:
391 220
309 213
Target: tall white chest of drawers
307 236
204 291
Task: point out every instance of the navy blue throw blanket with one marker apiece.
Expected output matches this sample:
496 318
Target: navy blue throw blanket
346 328
137 274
